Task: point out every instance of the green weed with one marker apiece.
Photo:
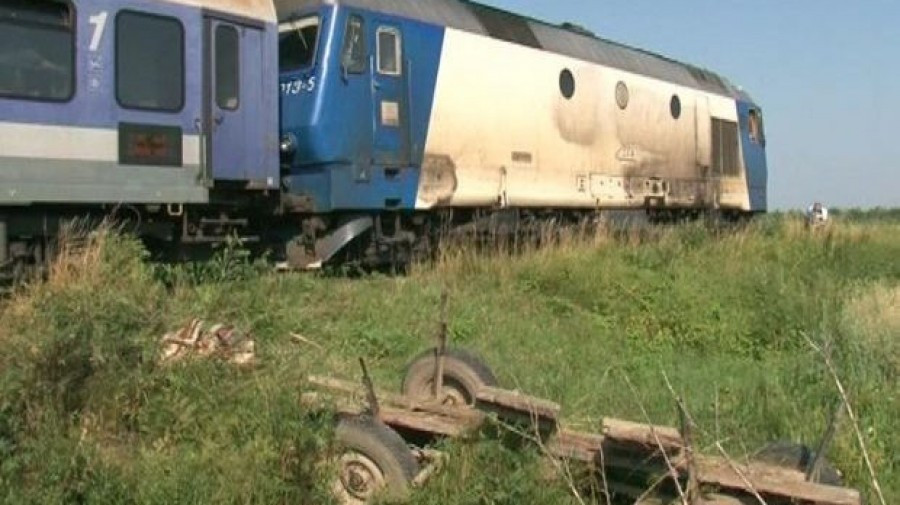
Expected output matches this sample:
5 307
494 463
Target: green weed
88 415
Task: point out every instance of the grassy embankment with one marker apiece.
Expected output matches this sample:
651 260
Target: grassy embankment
88 416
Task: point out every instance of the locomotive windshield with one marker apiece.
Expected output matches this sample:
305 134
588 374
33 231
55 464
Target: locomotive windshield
297 43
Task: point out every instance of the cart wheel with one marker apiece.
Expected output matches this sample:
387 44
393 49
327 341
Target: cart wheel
374 461
788 454
464 374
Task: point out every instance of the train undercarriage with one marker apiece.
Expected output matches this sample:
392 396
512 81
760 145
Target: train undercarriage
389 240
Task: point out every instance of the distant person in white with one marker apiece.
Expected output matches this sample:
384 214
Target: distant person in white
816 214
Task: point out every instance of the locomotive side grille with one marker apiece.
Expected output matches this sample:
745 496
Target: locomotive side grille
725 160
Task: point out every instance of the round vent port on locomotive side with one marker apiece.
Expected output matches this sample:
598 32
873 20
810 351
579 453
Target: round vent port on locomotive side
675 106
622 95
567 83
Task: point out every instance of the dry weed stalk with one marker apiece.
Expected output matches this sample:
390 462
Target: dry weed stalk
845 399
673 472
739 473
689 421
560 465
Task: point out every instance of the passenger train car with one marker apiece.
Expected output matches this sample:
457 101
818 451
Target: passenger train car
315 128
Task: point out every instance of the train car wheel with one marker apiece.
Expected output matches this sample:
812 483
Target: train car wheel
464 374
374 462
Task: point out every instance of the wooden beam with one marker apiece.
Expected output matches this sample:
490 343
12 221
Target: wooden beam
643 434
467 416
773 481
517 407
426 422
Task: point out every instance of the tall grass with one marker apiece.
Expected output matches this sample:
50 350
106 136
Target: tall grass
87 415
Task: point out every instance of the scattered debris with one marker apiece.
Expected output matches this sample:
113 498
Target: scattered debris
296 337
219 340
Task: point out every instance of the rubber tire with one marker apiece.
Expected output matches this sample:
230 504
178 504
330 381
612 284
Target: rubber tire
378 442
463 370
796 456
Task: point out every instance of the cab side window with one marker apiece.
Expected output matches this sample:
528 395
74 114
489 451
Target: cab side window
353 54
754 125
37 50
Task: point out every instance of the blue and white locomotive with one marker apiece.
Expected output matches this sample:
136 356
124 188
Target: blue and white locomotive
319 127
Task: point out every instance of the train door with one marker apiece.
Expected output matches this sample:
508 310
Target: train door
233 112
390 97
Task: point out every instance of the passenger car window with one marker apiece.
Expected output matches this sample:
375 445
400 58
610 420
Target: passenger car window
353 54
228 73
389 51
149 62
297 40
37 50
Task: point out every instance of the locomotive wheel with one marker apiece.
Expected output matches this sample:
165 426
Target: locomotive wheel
374 462
464 374
797 457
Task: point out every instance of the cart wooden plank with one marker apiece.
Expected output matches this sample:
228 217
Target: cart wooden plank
426 422
644 438
648 435
772 480
518 407
400 418
467 416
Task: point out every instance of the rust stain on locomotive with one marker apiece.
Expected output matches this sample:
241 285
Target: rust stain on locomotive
577 118
438 182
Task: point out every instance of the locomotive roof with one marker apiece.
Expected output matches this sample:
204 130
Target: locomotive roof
567 39
261 10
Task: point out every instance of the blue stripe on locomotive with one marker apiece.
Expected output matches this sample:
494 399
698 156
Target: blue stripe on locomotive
754 152
334 124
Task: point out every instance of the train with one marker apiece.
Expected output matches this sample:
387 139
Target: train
326 129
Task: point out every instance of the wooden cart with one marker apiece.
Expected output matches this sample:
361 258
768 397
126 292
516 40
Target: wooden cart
451 393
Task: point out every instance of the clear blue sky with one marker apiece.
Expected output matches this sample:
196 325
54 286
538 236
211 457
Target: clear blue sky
826 73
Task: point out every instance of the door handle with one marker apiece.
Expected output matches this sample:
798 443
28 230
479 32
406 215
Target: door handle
218 120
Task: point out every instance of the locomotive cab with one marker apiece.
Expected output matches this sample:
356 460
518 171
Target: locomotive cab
753 147
353 112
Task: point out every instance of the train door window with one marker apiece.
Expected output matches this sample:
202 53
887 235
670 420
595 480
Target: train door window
754 125
297 40
37 50
389 51
353 54
149 62
228 73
